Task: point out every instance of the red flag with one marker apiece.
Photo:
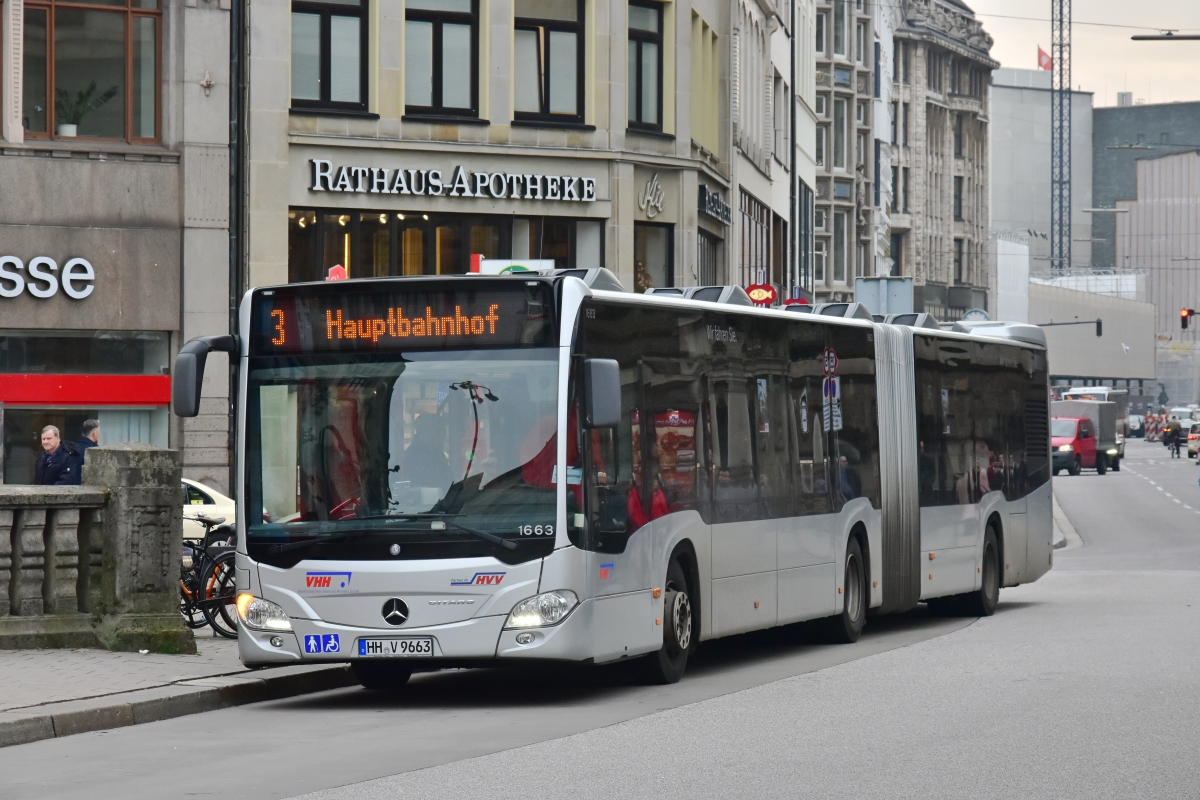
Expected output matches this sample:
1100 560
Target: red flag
1044 60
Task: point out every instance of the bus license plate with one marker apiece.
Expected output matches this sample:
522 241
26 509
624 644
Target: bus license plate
395 648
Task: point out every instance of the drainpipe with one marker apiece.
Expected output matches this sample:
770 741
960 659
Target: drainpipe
238 81
793 255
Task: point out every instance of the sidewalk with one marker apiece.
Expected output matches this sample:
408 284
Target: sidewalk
49 693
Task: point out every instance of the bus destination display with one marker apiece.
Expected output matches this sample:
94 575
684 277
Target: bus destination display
327 319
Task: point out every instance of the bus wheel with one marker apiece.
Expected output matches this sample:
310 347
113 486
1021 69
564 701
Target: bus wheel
846 627
982 602
669 662
378 676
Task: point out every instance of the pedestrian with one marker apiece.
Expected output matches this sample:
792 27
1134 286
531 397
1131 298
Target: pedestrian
56 466
90 437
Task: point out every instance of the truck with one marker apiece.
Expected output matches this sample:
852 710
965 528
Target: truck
1118 396
1084 436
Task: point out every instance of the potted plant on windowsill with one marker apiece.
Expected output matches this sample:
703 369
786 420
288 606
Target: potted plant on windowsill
69 112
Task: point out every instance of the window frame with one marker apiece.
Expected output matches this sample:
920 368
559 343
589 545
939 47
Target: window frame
635 84
840 137
326 12
959 190
439 19
130 13
840 15
579 28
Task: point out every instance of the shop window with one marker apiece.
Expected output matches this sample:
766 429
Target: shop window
708 257
441 57
84 352
548 60
755 259
644 76
91 72
653 256
23 430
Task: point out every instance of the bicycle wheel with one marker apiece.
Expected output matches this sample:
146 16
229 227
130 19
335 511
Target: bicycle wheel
219 586
193 617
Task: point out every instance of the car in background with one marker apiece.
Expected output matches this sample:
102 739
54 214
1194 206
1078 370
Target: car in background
1073 445
1184 413
205 501
1137 426
1193 439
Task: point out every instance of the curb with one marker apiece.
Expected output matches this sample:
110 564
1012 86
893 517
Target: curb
50 721
1072 540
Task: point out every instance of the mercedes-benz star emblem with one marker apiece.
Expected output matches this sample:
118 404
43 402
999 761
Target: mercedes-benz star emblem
395 612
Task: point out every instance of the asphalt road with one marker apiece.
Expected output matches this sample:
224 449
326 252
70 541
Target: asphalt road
1084 684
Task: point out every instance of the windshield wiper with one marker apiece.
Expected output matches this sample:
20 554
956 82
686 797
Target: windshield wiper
487 537
333 537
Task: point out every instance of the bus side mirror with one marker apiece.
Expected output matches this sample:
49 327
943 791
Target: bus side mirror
602 392
189 371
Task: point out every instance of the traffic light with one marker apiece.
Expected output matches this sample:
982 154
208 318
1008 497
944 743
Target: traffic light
1184 315
1099 327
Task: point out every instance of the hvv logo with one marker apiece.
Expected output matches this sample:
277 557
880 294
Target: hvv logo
481 579
325 580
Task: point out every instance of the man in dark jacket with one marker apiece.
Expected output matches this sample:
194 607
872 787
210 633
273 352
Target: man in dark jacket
56 466
90 438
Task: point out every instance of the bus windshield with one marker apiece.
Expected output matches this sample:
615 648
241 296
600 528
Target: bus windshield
415 454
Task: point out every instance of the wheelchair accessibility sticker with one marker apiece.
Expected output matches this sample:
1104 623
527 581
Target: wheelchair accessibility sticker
326 643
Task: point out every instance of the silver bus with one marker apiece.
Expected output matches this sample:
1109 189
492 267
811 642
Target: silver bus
459 471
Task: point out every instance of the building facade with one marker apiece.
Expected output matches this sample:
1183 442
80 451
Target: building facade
1121 136
406 138
1020 165
940 112
846 207
113 232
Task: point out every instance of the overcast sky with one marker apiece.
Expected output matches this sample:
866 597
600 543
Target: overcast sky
1105 61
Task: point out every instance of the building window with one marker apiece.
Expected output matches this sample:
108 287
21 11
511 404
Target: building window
897 255
820 252
895 205
821 145
907 116
91 72
863 261
860 42
708 258
822 105
820 34
839 246
706 84
755 259
860 113
653 256
959 266
329 55
958 135
839 28
839 133
548 60
441 57
933 63
819 219
906 185
645 66
958 199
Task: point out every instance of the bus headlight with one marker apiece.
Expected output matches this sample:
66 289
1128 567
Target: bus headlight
262 615
1066 448
542 610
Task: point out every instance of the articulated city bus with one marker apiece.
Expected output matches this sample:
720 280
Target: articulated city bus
468 470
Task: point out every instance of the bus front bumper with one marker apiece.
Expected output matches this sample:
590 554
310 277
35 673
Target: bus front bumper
479 639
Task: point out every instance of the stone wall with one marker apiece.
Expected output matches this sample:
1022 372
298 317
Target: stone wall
96 565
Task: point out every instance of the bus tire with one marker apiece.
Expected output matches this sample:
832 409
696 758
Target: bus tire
668 663
381 676
982 602
846 627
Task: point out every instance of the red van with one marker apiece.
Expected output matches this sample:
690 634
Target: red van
1073 446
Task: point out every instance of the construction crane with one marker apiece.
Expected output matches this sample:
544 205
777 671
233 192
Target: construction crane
1060 137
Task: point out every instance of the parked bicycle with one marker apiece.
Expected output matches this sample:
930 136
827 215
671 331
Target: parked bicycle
207 592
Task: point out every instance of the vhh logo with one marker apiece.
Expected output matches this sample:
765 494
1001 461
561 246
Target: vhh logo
318 581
